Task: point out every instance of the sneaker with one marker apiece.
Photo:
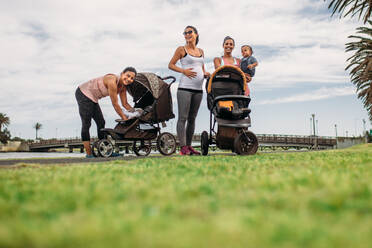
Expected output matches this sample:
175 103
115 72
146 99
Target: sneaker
115 154
193 151
89 156
185 151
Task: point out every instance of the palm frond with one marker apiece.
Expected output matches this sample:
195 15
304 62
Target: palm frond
360 65
361 8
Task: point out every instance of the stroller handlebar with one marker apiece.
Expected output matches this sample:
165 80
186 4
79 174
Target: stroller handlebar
231 97
169 77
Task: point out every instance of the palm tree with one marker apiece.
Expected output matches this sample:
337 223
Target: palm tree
361 62
352 7
4 121
37 127
361 65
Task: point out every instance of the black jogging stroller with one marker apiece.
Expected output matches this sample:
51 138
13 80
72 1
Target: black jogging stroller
151 94
229 110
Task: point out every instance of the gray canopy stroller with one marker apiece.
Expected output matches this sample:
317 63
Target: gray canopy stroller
229 109
151 94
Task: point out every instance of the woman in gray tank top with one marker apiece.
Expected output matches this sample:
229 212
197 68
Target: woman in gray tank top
190 92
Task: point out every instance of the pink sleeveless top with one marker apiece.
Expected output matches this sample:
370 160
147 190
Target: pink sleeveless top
224 62
95 89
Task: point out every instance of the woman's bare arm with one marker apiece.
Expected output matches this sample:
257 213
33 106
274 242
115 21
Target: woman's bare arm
110 82
217 62
124 101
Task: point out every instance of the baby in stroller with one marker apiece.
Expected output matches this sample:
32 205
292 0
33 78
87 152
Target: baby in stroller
229 109
153 105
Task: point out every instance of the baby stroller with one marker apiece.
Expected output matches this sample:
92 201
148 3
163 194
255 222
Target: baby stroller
229 108
151 94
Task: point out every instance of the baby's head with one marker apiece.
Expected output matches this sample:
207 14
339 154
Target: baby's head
246 51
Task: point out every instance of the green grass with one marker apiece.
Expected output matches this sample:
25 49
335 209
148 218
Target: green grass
307 199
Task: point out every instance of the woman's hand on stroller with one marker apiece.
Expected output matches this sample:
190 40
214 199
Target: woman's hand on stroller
189 73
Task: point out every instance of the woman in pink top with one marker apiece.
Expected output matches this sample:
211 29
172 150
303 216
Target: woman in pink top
227 58
88 94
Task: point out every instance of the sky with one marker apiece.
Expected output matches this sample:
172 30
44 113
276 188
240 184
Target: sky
50 47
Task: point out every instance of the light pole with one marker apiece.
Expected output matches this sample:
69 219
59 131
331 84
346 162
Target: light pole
313 115
315 139
364 127
317 126
355 127
336 134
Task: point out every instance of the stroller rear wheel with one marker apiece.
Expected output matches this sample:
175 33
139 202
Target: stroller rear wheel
105 148
204 143
95 149
166 143
246 143
142 147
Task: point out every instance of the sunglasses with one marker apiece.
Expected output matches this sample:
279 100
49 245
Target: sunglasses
188 32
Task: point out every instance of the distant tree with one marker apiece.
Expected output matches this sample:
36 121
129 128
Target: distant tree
17 139
37 127
361 65
4 121
4 136
361 62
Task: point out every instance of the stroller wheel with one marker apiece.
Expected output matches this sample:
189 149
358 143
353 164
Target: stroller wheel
142 147
166 143
105 148
246 143
95 149
204 143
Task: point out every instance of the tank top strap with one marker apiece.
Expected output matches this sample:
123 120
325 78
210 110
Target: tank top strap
184 47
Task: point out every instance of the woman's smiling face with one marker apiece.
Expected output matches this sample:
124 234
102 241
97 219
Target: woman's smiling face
128 77
228 46
190 35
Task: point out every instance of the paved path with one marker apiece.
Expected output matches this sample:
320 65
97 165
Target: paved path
7 162
44 161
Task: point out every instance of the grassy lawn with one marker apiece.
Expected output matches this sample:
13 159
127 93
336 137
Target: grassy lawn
307 199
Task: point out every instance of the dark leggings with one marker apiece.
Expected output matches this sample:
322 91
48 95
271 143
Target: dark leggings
188 106
88 110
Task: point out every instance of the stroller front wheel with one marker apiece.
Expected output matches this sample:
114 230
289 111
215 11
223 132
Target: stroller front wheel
246 143
204 140
166 143
142 147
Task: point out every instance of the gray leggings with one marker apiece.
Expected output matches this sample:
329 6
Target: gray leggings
188 106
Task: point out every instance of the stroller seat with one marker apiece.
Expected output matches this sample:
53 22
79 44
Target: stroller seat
231 110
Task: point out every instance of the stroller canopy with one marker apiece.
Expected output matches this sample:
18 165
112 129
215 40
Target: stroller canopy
146 82
148 89
229 74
